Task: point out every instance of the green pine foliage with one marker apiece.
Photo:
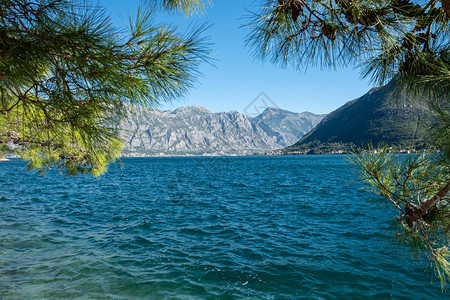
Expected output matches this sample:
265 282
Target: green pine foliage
66 72
408 182
386 37
186 6
405 42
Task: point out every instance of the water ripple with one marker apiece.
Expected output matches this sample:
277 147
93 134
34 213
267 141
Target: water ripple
201 228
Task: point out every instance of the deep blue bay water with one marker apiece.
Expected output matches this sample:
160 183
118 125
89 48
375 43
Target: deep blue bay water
202 228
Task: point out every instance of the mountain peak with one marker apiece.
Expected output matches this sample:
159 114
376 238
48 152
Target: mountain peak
379 116
274 111
191 108
271 108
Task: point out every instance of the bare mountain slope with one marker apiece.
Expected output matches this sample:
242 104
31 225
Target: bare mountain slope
195 130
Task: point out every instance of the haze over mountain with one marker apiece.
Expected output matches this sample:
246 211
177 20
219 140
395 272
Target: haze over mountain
197 131
378 117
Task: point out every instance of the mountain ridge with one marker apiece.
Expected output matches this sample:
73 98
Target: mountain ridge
381 116
194 130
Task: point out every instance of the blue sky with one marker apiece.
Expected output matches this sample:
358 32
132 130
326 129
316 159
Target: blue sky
237 78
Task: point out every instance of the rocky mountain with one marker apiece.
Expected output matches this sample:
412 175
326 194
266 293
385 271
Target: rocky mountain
287 126
379 117
197 131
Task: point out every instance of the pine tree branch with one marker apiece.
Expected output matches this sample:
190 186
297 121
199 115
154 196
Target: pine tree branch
446 7
413 214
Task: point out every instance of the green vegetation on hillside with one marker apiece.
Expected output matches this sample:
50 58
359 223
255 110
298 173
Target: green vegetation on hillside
381 117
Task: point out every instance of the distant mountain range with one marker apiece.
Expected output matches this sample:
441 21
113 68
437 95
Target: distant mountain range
379 117
194 130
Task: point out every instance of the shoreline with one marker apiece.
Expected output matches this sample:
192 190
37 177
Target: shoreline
275 153
222 155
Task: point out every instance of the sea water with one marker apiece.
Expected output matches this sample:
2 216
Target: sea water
277 227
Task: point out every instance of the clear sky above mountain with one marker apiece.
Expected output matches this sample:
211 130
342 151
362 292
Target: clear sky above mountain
237 78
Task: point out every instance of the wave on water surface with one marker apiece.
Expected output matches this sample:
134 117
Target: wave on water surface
201 228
